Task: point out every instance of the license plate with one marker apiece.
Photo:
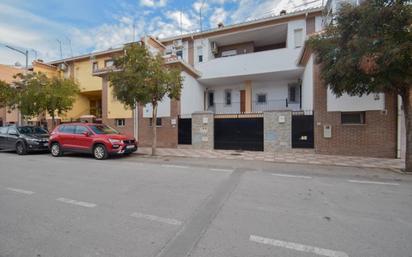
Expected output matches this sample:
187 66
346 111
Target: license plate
130 147
46 144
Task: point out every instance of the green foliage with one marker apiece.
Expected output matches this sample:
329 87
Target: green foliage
144 78
37 94
367 49
7 95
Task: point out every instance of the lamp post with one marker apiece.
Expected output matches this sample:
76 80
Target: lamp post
26 54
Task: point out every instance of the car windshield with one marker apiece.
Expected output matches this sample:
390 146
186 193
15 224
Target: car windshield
31 130
103 129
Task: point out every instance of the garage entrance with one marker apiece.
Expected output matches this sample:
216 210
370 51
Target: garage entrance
238 132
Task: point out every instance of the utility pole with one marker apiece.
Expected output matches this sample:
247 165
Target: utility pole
200 16
60 48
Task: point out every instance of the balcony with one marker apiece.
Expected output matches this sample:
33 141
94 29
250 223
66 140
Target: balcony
271 105
256 63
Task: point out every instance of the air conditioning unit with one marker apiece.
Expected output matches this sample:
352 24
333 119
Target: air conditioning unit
215 49
177 44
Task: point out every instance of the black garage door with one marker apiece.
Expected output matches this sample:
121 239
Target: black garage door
184 131
302 130
239 134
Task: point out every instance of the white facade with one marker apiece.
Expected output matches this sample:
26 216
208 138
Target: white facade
307 86
192 95
347 103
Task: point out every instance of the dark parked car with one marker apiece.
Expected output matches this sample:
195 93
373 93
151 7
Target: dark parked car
23 139
97 139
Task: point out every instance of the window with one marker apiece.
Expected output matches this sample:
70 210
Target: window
228 53
95 66
352 117
103 130
261 98
69 129
298 35
81 129
211 99
158 122
12 131
179 54
292 94
120 122
32 130
200 54
228 97
3 130
108 63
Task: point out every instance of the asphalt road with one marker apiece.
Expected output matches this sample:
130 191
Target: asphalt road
137 206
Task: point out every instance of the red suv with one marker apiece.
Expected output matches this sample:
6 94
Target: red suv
98 139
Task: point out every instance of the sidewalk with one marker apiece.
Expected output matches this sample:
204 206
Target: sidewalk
298 156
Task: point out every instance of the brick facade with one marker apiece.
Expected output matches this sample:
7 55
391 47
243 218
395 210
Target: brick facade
166 134
376 138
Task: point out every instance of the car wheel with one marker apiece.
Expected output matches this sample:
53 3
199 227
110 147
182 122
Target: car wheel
100 152
55 150
21 148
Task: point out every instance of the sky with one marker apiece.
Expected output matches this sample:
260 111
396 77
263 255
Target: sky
84 26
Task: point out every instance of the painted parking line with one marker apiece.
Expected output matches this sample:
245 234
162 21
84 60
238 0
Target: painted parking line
298 247
74 202
227 170
156 218
373 182
290 176
22 191
174 166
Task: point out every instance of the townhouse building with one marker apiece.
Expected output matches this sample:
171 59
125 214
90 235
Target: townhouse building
255 85
7 73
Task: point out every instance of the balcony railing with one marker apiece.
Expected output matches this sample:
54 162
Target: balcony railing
257 107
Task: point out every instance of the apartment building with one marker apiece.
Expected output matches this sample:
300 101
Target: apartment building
8 116
237 73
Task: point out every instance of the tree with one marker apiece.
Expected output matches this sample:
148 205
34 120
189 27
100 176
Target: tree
368 49
7 94
143 78
38 94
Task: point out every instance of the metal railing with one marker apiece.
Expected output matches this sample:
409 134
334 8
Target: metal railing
257 107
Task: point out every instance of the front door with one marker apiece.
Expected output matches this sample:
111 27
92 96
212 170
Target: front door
242 101
81 141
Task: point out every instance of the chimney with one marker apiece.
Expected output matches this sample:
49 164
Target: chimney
220 25
283 12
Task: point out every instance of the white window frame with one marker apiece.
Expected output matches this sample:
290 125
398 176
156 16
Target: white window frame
298 41
120 122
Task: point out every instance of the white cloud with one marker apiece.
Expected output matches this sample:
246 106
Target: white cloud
200 4
153 3
218 15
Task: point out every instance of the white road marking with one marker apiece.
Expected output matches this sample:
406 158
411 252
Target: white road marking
174 166
228 170
79 203
156 218
373 182
17 190
297 247
290 176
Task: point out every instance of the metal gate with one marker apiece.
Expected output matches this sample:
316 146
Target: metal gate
184 131
239 133
302 129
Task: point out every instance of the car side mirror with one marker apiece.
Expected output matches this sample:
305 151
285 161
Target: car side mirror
86 133
13 134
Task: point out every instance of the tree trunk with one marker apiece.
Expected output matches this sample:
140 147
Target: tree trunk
154 128
53 122
407 109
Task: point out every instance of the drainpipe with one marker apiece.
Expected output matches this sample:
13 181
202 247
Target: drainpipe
399 129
